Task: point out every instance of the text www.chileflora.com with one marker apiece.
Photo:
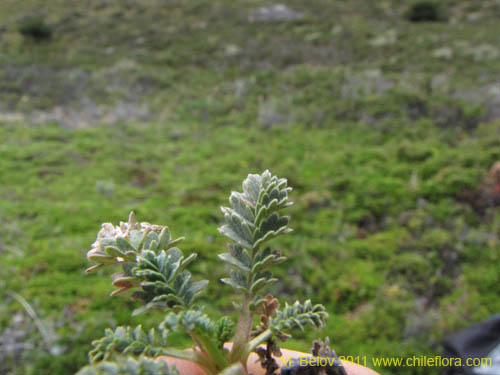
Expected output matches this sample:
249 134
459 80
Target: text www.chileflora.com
415 361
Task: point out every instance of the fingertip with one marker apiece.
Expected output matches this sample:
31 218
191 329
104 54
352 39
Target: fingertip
355 369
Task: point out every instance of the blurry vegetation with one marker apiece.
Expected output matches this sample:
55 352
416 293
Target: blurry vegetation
425 11
386 129
36 28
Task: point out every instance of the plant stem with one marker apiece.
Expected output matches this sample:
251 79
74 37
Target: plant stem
244 327
242 335
202 360
213 352
42 328
172 352
242 332
258 340
242 352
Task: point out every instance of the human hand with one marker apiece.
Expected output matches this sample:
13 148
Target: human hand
186 367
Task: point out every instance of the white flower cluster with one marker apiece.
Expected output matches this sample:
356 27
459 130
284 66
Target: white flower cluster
109 231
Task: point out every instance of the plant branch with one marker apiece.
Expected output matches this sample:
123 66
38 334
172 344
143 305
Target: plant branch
213 352
252 220
181 354
264 336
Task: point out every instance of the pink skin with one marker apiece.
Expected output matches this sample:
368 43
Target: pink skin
186 367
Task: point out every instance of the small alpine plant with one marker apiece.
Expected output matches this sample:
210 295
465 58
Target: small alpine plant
155 271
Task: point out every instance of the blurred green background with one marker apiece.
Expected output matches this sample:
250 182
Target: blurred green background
385 127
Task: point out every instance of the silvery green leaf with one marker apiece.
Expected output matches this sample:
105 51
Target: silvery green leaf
150 237
151 275
228 232
270 260
265 211
136 238
223 330
165 238
94 268
256 302
123 244
298 315
194 291
241 254
251 187
182 281
236 283
175 254
186 262
261 283
106 242
113 251
127 268
239 226
170 323
102 259
234 262
239 202
153 245
164 283
175 242
271 223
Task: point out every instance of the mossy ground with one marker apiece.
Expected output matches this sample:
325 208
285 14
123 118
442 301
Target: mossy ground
386 130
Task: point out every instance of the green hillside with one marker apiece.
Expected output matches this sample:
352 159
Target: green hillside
385 128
